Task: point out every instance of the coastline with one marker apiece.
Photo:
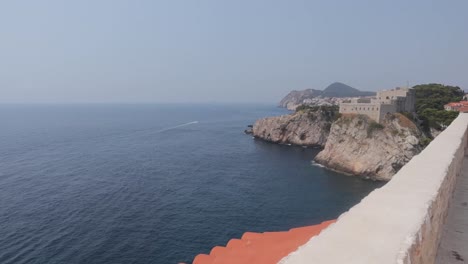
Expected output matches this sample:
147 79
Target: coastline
320 165
314 163
354 145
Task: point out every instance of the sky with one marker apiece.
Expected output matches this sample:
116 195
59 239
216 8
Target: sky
224 51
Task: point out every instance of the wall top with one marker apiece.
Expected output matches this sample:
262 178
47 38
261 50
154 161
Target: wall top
382 228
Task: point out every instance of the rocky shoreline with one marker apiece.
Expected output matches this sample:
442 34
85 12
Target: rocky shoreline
301 128
351 144
359 146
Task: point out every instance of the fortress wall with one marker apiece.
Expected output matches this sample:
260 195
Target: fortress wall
411 101
401 222
369 109
385 109
382 95
409 96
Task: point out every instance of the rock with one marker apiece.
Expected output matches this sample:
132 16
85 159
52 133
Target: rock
412 140
434 132
249 130
359 146
305 128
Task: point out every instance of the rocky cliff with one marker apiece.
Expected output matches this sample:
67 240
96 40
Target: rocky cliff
305 128
359 146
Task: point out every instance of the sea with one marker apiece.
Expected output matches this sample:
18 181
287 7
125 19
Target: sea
152 183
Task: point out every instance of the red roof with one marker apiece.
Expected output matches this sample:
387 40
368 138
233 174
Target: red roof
463 109
456 105
261 248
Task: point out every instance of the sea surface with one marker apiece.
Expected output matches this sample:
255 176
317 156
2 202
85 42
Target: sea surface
151 183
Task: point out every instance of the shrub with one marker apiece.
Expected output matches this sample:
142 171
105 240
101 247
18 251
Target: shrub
425 141
408 115
329 112
373 126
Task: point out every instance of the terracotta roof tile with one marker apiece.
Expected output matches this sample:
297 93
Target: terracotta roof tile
261 248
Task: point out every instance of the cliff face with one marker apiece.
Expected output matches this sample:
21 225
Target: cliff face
303 128
362 147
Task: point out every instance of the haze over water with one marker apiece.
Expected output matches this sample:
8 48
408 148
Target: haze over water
148 184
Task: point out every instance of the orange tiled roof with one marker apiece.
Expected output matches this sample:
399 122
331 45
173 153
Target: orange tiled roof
463 109
261 248
456 105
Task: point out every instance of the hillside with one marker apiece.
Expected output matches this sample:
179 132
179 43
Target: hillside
334 90
338 89
296 98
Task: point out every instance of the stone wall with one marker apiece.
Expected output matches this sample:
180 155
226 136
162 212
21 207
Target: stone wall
386 109
401 222
407 97
371 110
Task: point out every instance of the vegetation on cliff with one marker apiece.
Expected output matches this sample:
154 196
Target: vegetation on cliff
373 126
430 101
313 108
329 112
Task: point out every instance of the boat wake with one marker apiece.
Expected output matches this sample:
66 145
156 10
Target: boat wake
174 127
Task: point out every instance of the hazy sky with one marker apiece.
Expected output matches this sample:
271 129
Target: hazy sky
224 51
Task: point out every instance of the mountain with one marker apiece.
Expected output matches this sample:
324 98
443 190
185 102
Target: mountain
334 90
338 89
296 98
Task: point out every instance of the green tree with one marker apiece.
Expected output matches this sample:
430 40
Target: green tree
430 101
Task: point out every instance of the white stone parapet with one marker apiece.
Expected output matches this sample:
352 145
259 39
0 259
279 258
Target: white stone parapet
401 222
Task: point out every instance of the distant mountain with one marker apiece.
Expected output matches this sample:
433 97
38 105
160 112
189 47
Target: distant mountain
296 98
337 89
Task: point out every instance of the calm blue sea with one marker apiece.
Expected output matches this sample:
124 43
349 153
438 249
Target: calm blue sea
151 183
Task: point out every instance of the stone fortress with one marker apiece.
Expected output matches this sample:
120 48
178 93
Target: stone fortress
386 101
